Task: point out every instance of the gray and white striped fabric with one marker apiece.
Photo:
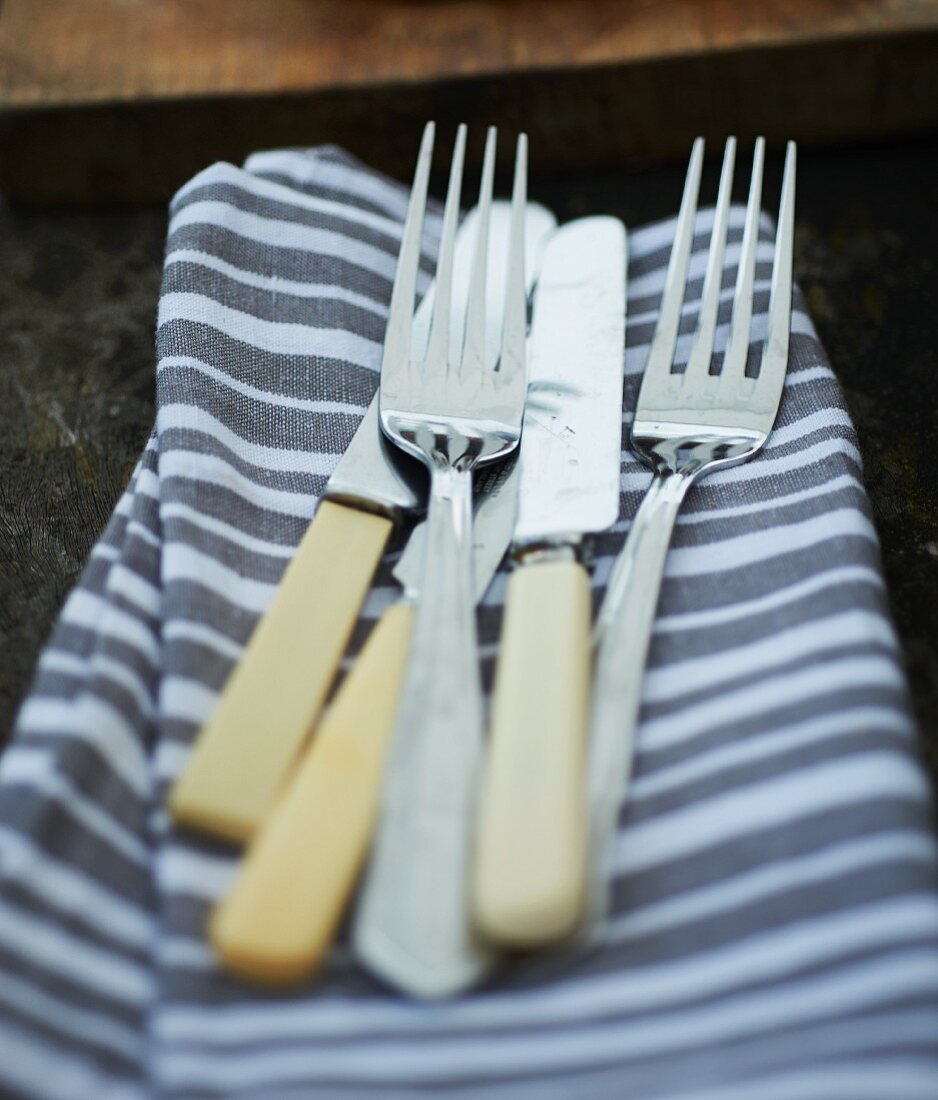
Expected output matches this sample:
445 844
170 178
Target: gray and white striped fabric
775 934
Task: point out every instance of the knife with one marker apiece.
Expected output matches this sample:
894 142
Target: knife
280 918
530 866
244 753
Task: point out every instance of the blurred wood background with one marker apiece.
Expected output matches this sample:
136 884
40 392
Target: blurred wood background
124 99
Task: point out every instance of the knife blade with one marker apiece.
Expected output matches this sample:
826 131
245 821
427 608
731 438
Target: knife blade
278 921
244 752
530 868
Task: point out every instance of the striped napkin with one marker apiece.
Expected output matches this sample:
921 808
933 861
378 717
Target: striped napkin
775 928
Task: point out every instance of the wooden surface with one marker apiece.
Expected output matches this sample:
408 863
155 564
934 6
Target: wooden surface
117 99
57 52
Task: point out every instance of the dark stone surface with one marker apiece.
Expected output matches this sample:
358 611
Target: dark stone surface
78 293
77 309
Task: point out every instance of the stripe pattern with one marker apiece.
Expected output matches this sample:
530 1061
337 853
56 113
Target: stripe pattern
775 927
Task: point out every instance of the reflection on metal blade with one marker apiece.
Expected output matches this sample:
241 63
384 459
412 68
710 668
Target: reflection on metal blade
571 444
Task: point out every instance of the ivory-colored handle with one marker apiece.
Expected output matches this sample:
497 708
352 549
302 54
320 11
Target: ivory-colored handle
279 920
243 754
530 868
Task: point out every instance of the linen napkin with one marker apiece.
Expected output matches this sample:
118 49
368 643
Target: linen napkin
775 927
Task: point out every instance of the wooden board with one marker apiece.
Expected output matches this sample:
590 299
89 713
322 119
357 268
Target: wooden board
119 99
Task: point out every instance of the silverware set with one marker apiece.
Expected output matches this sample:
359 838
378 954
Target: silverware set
469 846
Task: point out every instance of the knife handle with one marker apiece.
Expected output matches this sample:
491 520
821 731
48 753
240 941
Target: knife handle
243 754
279 920
530 867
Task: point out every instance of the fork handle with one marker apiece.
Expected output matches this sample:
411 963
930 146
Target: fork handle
623 631
413 924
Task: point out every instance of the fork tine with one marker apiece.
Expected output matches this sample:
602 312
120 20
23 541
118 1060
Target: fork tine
737 348
438 346
401 311
661 355
701 353
512 359
775 355
473 358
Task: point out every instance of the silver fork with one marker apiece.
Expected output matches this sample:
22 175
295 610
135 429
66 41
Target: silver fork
413 922
686 425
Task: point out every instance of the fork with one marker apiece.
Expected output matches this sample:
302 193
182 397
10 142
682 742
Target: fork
687 424
413 922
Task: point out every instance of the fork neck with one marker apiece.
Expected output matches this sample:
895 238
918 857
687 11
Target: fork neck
451 491
688 456
438 449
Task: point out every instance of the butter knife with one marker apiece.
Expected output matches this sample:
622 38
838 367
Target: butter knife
531 855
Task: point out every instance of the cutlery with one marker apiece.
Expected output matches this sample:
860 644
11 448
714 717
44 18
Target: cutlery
530 869
280 918
413 922
281 915
244 754
686 425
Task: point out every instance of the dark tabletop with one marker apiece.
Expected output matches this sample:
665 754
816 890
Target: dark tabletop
78 292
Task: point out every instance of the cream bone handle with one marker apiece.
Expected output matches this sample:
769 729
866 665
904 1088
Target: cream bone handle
278 922
530 868
244 753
